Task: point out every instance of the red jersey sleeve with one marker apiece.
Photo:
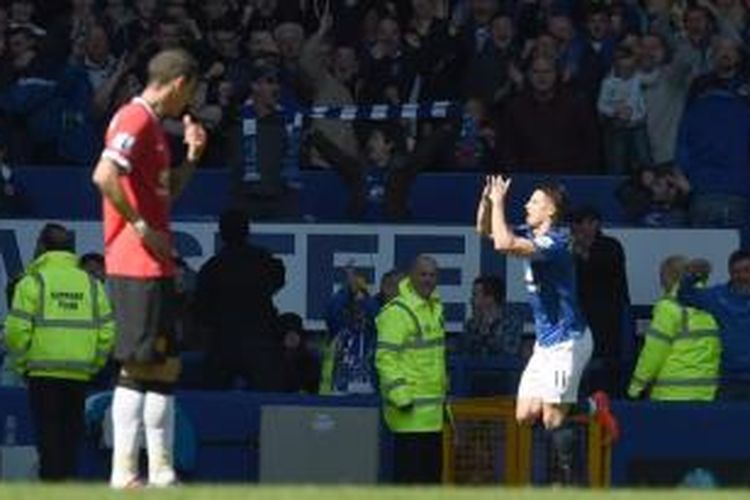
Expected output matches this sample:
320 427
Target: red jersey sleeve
126 136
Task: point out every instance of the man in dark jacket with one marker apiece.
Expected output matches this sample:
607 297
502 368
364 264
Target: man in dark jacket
713 147
603 294
234 302
549 129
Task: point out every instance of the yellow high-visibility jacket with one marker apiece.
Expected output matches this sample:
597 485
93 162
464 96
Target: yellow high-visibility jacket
410 360
60 324
681 355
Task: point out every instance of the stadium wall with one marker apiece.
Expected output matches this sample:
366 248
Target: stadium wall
315 255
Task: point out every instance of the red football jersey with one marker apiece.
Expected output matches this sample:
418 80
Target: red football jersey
137 144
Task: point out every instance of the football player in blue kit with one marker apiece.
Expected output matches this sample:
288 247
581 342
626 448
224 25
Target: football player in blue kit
550 381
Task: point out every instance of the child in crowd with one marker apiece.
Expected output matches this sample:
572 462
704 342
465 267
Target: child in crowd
622 107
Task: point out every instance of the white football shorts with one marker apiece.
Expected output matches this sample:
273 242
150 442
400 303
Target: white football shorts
554 372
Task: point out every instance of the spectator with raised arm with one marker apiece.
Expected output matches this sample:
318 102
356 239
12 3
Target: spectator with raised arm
350 320
714 141
665 79
729 304
680 357
332 75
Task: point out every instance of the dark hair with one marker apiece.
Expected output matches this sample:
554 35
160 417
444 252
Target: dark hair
234 226
586 212
666 46
94 257
390 274
55 237
595 10
290 321
493 286
170 64
738 255
559 196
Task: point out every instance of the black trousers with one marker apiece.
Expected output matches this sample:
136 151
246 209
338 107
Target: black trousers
57 407
418 457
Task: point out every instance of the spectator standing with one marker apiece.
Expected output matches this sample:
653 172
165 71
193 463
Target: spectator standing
411 365
694 46
492 331
350 319
333 83
602 294
116 16
388 67
548 129
598 51
680 357
301 366
622 107
435 52
261 187
665 80
59 331
290 38
729 304
571 48
138 186
491 73
234 301
714 142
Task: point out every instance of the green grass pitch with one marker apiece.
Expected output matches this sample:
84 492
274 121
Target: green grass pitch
252 492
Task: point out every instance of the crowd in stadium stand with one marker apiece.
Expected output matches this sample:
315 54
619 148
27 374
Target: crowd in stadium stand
655 90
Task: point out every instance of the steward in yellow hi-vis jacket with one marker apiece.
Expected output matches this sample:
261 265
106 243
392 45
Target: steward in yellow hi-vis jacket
681 354
59 331
410 360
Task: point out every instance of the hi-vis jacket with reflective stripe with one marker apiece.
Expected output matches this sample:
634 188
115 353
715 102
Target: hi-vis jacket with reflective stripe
410 360
680 358
60 324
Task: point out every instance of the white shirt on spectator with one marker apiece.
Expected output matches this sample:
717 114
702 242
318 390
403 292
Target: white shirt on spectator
617 92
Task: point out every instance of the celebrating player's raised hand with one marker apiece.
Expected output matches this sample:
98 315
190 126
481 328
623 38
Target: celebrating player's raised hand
499 188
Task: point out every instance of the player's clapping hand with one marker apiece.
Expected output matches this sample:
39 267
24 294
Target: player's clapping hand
195 138
487 189
499 188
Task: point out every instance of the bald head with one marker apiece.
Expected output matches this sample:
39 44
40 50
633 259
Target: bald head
727 56
423 275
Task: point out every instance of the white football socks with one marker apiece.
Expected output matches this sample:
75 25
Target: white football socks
127 409
158 419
